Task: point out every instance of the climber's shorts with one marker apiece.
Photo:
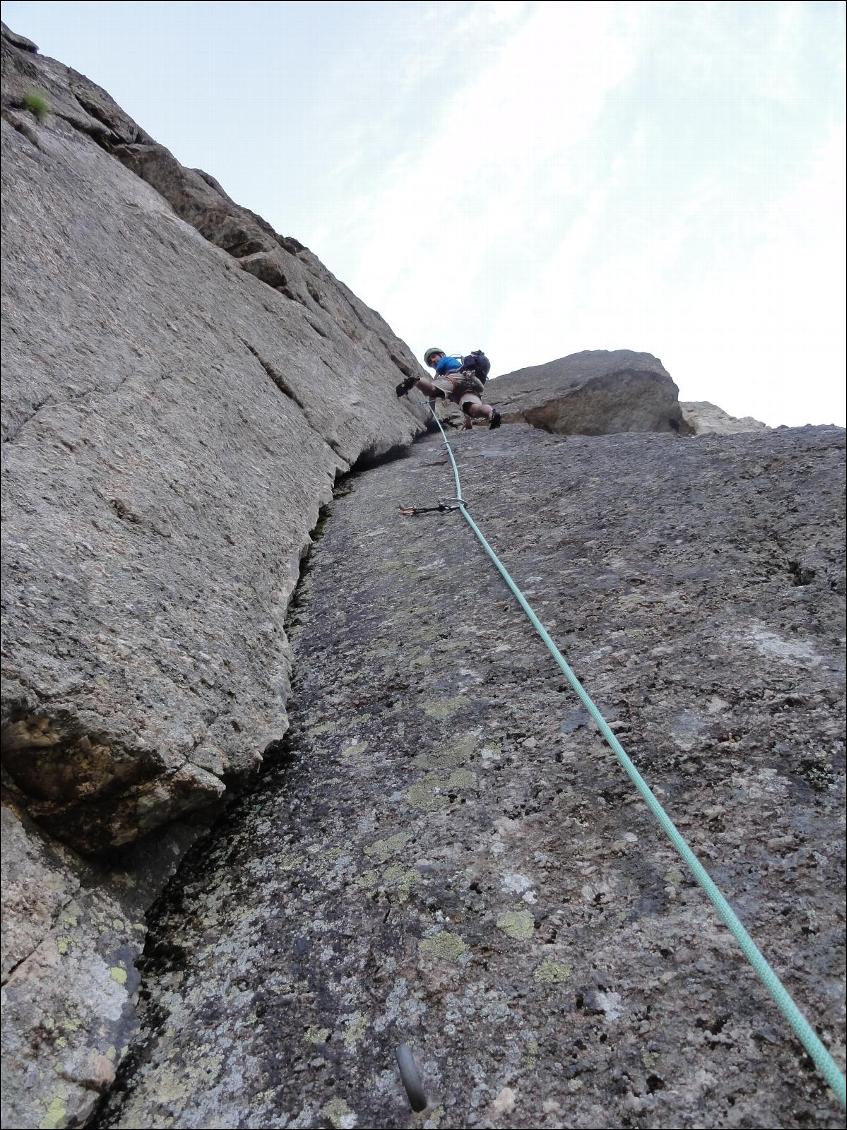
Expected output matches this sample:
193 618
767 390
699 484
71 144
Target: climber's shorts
466 390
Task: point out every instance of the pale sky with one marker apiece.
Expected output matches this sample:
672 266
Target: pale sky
530 178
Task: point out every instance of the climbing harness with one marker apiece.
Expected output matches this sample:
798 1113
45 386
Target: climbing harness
784 1002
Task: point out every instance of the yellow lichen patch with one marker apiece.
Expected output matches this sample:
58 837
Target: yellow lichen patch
443 946
56 1115
118 973
395 877
63 944
461 779
423 796
172 1087
444 707
354 750
368 879
382 850
451 756
354 1031
517 924
551 972
286 861
339 1115
315 1035
400 879
324 728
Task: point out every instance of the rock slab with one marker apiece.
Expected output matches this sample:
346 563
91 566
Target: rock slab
449 855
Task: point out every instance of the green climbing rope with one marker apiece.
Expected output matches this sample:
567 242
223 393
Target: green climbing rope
799 1024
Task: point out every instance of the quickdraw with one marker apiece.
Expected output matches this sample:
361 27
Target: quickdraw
444 504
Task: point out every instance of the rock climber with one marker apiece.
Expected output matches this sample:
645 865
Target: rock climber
456 380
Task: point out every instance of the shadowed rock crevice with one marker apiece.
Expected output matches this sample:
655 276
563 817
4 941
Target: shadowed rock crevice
277 378
262 266
378 454
287 390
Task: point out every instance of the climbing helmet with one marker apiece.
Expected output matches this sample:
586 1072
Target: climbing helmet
430 353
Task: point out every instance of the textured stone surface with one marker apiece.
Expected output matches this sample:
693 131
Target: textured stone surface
704 418
171 426
72 932
180 387
595 392
18 40
181 384
449 854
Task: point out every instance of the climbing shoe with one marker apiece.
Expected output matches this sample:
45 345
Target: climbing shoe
496 419
406 386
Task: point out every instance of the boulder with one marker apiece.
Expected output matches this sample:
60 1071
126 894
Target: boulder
594 392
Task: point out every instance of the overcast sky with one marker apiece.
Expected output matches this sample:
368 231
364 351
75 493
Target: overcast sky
529 178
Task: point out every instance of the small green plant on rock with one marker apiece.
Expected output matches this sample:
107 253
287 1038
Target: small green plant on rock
37 104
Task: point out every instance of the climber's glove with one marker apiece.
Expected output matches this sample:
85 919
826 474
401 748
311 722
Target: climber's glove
406 386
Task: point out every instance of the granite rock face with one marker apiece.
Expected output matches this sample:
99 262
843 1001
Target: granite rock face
174 414
596 392
449 854
72 933
443 852
181 386
704 418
